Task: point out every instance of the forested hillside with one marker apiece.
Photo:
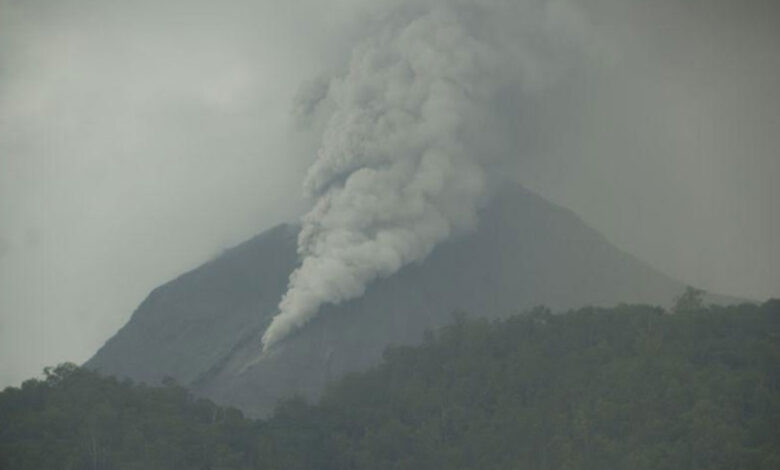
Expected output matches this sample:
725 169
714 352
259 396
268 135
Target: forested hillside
629 387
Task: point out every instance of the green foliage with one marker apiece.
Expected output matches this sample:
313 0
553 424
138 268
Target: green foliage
690 300
628 387
75 419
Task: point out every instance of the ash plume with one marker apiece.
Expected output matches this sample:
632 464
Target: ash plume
414 141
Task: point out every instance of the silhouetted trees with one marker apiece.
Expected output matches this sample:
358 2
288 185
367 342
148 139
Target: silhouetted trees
626 387
690 300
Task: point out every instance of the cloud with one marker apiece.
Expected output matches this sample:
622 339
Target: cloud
5 246
139 138
411 149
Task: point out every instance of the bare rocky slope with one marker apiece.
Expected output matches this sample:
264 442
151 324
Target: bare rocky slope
204 328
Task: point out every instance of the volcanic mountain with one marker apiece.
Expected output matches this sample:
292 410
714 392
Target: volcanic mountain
204 328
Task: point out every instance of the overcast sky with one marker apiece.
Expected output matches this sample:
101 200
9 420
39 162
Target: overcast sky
139 139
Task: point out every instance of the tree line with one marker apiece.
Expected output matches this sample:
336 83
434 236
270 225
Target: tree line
625 387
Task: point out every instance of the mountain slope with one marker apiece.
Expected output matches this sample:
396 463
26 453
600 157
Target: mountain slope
204 328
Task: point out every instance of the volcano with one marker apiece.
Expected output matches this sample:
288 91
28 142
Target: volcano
204 328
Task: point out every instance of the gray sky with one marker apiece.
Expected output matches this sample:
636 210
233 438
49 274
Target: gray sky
139 139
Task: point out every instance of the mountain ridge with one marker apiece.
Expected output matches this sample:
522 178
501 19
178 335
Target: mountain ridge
204 328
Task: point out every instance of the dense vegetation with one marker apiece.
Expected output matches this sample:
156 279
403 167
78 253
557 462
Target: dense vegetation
629 387
76 419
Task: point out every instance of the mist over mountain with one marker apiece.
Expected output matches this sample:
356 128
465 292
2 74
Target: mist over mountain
203 328
139 138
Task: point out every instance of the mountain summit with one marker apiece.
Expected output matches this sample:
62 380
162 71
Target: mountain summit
204 328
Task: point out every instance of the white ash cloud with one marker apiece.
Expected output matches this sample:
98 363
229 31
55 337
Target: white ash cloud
414 141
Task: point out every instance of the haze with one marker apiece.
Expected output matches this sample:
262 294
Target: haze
139 140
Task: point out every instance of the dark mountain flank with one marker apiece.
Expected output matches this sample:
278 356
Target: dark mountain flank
204 328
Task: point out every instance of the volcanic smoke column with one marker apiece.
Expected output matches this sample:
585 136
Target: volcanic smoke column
405 159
